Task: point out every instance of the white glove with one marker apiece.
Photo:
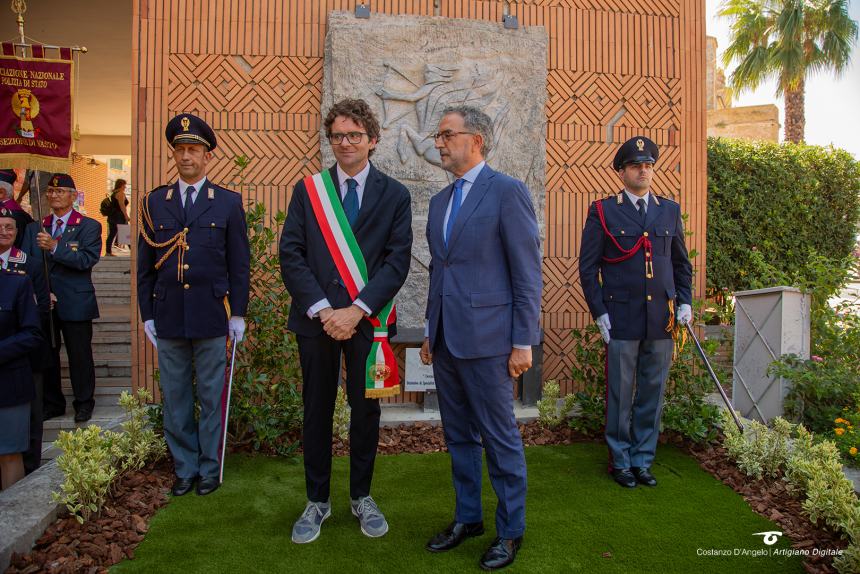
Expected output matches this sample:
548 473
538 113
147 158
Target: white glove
236 328
604 325
149 329
685 314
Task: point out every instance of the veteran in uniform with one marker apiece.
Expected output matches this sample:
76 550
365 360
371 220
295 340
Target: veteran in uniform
16 261
71 242
7 201
20 335
193 272
635 273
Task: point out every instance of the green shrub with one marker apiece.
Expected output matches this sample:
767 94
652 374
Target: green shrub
812 468
266 409
550 414
786 202
87 468
138 443
93 459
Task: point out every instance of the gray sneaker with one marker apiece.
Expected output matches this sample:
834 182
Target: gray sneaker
307 527
372 521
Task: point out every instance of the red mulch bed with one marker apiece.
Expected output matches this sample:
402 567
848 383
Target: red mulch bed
69 547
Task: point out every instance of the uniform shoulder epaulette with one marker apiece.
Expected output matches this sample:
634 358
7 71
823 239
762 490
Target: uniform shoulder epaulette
17 256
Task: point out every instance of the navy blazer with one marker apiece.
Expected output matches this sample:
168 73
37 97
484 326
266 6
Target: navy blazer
485 287
20 335
638 307
383 231
71 265
19 262
216 265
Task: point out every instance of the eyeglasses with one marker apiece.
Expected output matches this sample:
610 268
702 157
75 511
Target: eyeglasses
55 191
448 134
11 227
351 137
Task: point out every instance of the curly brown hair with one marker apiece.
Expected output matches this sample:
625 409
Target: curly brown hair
358 111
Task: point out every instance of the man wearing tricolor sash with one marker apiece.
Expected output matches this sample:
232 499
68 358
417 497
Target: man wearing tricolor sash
345 251
483 311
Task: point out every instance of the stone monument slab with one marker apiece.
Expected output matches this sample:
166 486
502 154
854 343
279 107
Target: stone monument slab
409 68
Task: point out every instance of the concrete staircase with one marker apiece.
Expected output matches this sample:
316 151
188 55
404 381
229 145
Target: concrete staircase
111 351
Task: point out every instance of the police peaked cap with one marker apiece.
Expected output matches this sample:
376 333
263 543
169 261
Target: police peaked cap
189 129
8 176
62 180
638 149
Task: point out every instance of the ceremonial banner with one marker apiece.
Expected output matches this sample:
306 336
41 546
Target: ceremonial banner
36 111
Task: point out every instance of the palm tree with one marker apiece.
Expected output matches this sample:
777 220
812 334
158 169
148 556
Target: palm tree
787 39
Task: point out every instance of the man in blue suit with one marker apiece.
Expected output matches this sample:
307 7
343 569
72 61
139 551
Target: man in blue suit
483 311
193 274
634 269
71 242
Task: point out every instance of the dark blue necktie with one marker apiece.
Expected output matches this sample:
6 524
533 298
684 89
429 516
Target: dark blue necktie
641 204
188 202
350 202
455 208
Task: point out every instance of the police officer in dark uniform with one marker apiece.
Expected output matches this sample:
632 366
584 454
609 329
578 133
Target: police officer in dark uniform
14 260
72 244
193 272
637 281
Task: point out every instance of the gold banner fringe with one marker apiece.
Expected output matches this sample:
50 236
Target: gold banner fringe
382 393
36 162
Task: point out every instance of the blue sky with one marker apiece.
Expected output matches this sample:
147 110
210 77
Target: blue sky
832 105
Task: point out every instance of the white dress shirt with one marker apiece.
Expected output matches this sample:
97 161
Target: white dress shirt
360 179
65 220
4 258
634 198
183 189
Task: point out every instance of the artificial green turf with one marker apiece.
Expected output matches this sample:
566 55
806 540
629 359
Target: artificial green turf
578 520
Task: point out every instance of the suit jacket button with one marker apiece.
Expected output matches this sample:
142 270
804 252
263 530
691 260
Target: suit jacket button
645 234
649 296
186 286
213 224
185 230
622 232
186 266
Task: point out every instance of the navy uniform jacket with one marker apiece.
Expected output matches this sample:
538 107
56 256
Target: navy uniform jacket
71 264
20 334
216 265
638 307
20 263
383 231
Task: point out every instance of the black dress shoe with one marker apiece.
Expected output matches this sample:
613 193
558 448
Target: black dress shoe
208 485
83 415
624 477
452 536
182 486
501 553
644 476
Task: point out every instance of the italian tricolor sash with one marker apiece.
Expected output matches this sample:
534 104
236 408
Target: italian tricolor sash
381 376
